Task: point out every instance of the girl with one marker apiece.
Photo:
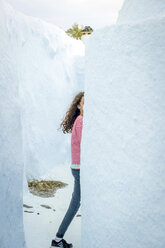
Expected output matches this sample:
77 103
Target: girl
73 122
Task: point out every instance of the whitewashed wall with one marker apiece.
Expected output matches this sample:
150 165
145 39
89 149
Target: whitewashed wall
50 70
41 70
11 155
137 11
123 139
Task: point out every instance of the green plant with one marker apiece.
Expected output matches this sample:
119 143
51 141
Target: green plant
75 31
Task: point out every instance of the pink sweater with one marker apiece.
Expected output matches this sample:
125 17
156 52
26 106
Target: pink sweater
76 139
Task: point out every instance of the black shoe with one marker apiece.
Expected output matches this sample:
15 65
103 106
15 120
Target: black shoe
62 244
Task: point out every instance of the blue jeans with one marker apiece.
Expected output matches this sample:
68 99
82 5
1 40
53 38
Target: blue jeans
74 204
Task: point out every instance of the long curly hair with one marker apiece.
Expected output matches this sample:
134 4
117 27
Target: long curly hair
71 114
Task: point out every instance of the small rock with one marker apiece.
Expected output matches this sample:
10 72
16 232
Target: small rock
45 206
27 206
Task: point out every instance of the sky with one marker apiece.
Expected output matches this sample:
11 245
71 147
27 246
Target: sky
64 13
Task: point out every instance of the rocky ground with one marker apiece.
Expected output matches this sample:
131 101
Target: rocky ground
45 206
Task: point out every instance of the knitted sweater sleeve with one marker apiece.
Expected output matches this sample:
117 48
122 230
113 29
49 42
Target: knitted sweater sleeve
79 126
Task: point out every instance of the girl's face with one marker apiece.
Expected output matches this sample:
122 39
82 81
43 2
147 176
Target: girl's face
80 106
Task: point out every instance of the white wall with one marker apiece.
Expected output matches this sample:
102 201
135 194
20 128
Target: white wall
51 72
41 70
140 10
123 139
11 156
